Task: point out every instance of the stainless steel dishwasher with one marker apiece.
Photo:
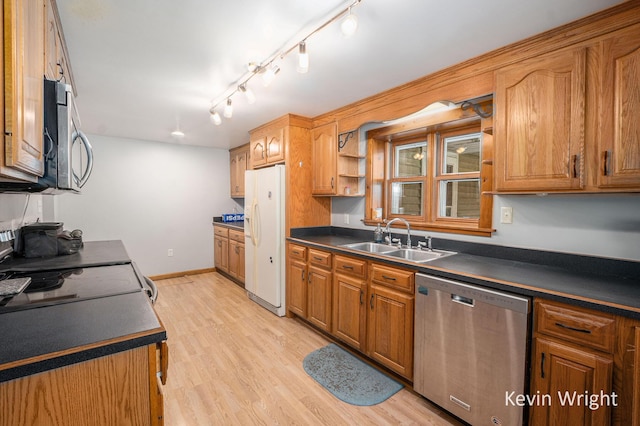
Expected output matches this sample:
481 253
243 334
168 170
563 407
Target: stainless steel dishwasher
470 350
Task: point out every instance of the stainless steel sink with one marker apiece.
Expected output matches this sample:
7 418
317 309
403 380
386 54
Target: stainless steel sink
371 247
415 255
410 254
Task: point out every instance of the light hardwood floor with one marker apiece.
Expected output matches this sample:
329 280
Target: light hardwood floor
231 362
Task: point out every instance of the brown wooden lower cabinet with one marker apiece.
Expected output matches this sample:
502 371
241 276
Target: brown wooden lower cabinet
390 329
572 386
374 317
117 389
585 367
350 310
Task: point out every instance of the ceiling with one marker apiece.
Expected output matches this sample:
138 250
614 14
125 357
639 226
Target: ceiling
146 67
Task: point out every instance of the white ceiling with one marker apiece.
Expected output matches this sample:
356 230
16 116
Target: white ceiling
144 67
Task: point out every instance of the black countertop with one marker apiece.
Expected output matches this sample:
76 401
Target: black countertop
49 337
239 225
93 253
605 284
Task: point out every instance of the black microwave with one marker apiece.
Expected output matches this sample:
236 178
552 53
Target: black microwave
68 155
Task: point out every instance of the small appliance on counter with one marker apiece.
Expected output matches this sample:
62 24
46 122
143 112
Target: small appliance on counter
45 239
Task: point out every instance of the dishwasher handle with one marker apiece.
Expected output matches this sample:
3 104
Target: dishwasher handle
462 300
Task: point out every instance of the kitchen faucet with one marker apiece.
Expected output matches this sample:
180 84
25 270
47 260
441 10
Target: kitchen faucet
408 231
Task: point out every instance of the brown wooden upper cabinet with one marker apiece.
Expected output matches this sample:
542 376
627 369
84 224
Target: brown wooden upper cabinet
324 145
338 162
238 163
23 62
268 149
619 142
540 123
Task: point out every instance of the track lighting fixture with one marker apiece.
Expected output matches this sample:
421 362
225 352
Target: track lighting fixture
349 24
248 93
269 69
215 117
303 58
269 74
228 109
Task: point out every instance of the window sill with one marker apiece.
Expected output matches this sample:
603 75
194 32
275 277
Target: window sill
452 229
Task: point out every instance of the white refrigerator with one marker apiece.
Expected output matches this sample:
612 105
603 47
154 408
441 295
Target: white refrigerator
264 211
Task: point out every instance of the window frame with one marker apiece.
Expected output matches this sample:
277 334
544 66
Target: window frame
380 163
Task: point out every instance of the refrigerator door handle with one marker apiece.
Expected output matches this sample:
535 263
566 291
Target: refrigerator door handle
252 224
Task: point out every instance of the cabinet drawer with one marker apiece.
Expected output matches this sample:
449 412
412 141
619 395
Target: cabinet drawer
298 252
575 324
320 258
349 265
221 231
236 235
392 277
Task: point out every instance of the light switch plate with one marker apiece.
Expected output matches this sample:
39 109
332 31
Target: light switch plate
506 215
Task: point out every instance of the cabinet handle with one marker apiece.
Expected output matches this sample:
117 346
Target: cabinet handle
303 275
309 278
332 183
371 301
568 327
388 278
361 297
606 162
542 365
576 170
348 267
319 259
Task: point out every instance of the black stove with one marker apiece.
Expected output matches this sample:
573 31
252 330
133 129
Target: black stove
69 285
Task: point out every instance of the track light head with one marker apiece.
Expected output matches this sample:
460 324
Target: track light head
251 98
228 109
349 24
303 58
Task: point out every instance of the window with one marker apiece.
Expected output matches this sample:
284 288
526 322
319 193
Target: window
433 175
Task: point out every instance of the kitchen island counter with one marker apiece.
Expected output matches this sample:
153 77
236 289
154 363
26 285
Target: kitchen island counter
52 336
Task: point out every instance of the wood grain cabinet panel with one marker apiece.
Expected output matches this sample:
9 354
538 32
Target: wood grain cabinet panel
238 162
324 145
23 61
110 390
619 141
350 301
390 329
539 127
563 371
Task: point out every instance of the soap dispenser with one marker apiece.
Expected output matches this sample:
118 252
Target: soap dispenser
378 234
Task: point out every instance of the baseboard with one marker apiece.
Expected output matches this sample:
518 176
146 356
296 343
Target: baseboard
181 274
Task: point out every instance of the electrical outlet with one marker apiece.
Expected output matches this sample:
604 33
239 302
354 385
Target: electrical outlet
170 252
346 218
506 215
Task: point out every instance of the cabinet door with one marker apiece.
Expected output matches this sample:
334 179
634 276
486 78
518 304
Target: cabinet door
241 167
297 287
619 153
319 297
233 175
390 329
221 253
324 147
24 67
258 152
540 123
566 374
349 310
275 146
234 258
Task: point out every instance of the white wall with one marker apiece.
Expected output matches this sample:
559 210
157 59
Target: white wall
605 225
153 197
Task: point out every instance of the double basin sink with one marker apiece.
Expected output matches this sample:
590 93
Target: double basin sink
409 254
